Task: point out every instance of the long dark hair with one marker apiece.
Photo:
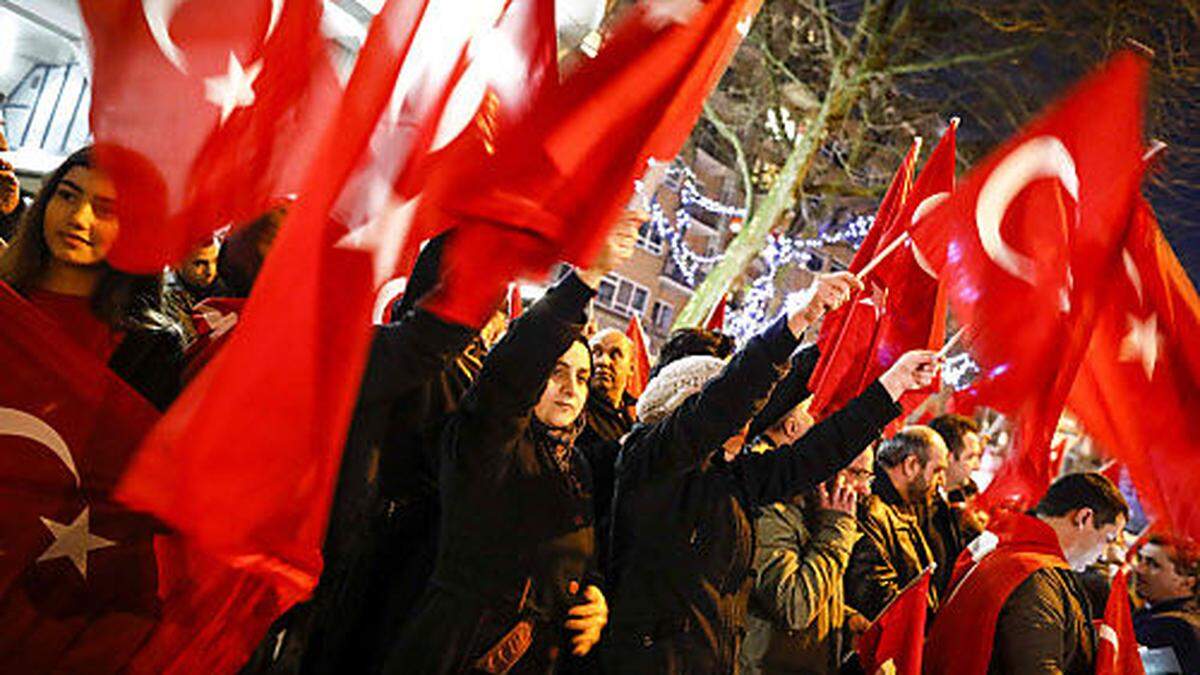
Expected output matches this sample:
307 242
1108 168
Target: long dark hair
123 301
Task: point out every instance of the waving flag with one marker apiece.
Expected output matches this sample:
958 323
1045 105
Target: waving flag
202 112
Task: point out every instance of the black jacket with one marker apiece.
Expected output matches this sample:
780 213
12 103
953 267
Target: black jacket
683 540
1173 625
151 361
947 537
600 443
516 529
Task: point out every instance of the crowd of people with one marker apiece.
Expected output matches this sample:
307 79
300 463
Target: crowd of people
505 505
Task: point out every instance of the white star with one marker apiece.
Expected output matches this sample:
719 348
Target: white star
73 541
383 237
234 89
1141 343
662 13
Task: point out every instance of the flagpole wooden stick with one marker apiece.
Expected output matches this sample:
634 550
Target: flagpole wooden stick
887 250
951 342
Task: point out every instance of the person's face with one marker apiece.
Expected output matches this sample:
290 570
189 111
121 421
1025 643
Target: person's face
612 363
1086 542
200 269
797 424
926 479
1156 578
10 188
965 462
80 224
566 391
860 473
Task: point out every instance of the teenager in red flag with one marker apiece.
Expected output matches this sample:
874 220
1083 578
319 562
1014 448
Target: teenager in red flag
1117 648
1017 604
1145 357
216 101
848 334
681 538
59 262
895 639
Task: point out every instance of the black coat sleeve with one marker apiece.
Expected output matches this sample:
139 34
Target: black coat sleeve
407 354
789 393
496 409
706 420
820 453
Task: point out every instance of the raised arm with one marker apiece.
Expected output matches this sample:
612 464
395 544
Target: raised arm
726 404
838 439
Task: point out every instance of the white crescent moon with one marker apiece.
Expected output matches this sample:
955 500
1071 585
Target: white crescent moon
928 204
159 13
1039 157
18 423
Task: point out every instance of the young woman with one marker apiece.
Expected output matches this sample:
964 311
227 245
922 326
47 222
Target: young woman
57 261
512 589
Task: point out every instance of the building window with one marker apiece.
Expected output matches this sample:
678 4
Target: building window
661 317
649 238
622 295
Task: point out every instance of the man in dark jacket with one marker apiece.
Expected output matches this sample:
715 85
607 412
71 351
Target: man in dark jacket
1168 579
683 539
893 551
1021 607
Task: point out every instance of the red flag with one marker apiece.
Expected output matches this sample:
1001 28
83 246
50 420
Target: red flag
311 308
847 334
1025 475
716 320
565 173
1023 273
1145 357
1117 647
213 318
514 302
895 639
87 585
201 111
641 357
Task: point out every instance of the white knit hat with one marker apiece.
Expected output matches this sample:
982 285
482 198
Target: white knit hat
674 384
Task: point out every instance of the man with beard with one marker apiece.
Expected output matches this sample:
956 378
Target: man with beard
1167 575
909 468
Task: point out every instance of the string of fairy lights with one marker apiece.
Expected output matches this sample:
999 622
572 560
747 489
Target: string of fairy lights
758 307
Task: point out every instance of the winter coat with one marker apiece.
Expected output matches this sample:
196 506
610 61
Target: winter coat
892 552
683 539
947 536
1045 626
1172 625
151 361
600 442
797 609
516 529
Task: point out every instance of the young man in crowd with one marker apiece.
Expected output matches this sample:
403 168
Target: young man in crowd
189 283
963 440
909 468
1020 605
948 521
1167 577
798 620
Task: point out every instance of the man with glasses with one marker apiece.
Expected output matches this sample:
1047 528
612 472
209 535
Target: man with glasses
798 620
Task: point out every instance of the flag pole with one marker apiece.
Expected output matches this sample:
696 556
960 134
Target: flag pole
950 343
887 250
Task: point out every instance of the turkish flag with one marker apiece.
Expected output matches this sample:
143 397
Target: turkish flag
641 357
848 334
203 113
1025 475
1117 647
894 641
1139 387
87 585
246 459
1032 233
563 175
214 319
